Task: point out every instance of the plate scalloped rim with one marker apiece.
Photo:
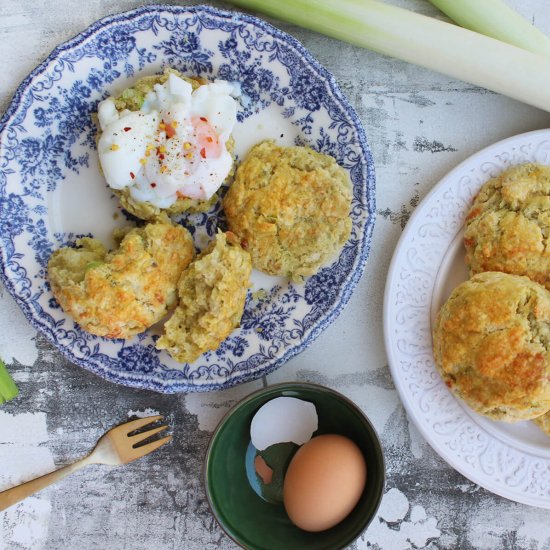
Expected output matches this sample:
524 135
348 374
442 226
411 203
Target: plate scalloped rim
462 440
202 377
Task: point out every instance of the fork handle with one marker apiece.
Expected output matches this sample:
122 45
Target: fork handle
19 492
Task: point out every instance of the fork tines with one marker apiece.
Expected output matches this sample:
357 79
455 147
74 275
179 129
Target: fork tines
143 430
141 423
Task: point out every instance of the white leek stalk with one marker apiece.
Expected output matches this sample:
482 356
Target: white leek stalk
425 41
494 18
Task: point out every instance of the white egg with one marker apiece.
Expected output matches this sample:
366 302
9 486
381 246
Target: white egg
174 146
120 149
107 112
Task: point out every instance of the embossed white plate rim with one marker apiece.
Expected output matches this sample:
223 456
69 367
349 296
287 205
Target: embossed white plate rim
496 486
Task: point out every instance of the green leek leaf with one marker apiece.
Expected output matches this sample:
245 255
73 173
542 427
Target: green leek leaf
8 389
494 18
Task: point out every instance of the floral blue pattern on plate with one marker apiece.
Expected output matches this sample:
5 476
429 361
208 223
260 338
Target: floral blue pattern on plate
52 192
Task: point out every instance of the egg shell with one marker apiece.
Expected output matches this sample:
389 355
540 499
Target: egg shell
283 419
324 482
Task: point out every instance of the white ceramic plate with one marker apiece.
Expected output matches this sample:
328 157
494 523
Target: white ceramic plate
511 460
51 190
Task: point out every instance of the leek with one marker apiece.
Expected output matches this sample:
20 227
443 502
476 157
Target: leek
436 45
494 18
8 389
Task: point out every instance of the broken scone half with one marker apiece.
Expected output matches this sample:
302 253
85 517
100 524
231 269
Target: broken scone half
212 293
121 293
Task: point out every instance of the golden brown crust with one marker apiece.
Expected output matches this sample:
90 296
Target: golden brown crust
491 345
290 206
508 225
124 292
212 294
543 422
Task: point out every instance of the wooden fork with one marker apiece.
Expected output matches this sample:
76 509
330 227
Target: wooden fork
119 445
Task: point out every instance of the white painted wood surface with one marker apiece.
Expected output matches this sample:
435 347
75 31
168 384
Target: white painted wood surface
419 125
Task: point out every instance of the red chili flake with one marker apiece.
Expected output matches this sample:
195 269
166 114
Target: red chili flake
132 175
204 119
203 153
170 131
127 129
209 139
153 184
161 156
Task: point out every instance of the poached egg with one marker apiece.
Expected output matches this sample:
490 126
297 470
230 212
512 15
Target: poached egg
175 146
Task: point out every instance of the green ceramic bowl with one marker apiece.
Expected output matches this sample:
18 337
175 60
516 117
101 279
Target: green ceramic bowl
257 524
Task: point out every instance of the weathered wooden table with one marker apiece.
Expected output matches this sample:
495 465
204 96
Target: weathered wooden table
419 126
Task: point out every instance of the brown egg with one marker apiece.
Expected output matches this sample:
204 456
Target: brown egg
324 482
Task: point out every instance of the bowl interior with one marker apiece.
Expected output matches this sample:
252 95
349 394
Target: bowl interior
255 523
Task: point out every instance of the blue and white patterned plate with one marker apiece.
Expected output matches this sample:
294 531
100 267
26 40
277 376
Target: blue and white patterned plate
51 191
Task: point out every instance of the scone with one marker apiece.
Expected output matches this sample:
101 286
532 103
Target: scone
165 144
491 344
543 422
121 293
508 225
291 208
212 294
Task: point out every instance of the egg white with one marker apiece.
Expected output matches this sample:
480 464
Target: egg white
175 146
